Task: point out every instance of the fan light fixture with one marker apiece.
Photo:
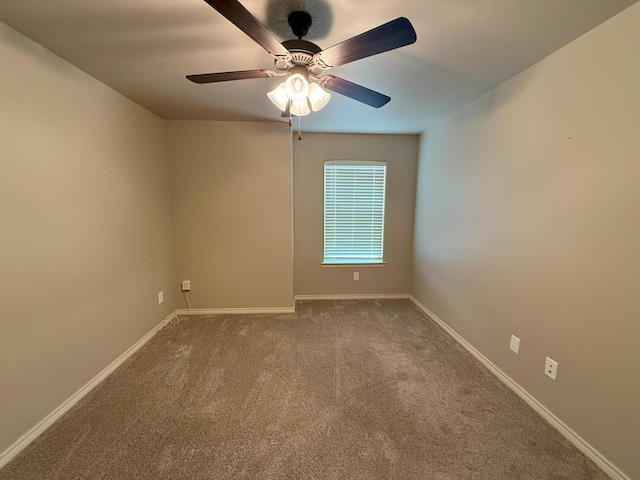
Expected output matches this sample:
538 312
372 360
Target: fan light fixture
279 97
297 87
300 108
298 90
317 97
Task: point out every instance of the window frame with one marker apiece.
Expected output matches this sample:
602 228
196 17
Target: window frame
377 207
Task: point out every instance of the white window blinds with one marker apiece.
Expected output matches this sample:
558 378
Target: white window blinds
354 211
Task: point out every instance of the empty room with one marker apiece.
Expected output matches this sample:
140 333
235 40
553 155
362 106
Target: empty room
266 239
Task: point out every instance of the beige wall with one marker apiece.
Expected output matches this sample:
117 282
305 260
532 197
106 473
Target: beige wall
527 223
85 233
401 154
232 212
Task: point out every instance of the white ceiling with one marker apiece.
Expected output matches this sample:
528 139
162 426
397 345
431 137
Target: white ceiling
465 48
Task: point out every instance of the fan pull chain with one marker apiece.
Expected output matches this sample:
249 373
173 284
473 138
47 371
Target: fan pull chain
299 133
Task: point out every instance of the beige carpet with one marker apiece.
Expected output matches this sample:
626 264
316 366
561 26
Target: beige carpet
339 390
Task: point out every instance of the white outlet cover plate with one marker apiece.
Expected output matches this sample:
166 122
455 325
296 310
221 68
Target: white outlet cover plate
551 368
160 297
515 344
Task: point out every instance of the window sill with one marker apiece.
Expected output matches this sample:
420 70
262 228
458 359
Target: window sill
351 265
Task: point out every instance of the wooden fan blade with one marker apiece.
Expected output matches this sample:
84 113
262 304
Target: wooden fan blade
233 11
355 91
394 34
227 76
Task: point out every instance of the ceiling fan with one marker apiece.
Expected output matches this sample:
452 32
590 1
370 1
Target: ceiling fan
303 63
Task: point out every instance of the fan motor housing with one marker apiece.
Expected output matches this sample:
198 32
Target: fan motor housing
299 45
301 51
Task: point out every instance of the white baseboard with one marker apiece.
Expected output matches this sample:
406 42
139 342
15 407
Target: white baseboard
33 433
354 296
580 443
231 311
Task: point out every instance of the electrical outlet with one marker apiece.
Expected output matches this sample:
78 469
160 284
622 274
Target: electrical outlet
515 344
551 368
356 275
160 297
186 285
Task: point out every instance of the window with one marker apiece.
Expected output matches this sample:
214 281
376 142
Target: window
354 211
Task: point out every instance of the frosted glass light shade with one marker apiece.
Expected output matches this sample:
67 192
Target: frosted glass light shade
297 87
317 97
300 108
279 97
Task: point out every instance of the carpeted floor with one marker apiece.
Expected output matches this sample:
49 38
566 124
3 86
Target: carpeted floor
339 390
